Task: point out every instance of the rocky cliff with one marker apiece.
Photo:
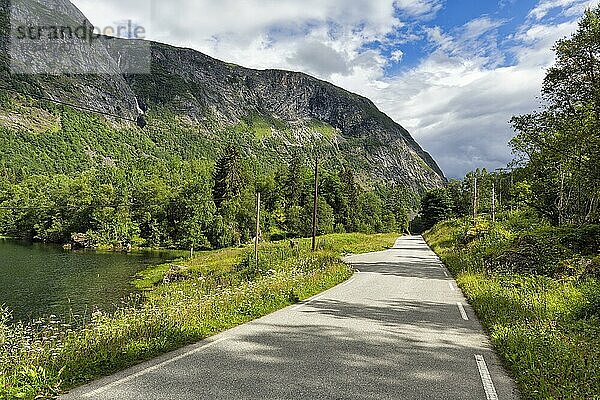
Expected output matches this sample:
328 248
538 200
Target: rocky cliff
214 96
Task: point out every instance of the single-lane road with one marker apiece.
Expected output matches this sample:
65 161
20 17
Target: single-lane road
399 329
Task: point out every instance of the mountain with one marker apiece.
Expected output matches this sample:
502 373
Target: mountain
204 100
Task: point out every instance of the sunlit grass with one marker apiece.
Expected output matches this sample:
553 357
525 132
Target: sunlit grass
545 329
221 289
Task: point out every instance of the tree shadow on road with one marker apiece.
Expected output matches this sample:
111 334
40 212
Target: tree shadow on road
394 350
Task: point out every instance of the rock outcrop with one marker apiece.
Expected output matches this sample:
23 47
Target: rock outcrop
215 96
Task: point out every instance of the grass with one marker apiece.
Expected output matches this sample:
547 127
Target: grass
261 128
546 328
223 262
218 290
324 129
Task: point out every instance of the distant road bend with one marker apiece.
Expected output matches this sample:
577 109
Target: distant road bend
399 329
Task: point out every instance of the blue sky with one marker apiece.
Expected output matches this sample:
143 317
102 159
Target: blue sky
452 72
457 14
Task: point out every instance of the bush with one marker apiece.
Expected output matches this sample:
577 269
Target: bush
548 251
530 254
590 306
546 330
584 240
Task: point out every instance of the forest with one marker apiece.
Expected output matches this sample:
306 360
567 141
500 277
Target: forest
176 200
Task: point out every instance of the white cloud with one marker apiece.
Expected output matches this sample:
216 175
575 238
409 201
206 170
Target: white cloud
567 7
420 8
397 55
456 102
315 36
179 20
322 59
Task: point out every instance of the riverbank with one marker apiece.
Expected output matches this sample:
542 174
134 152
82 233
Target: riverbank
210 293
535 289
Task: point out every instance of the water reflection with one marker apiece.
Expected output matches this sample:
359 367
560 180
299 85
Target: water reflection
39 280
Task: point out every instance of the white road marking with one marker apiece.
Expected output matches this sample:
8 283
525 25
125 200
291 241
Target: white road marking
463 313
307 302
150 369
445 274
451 286
486 379
348 282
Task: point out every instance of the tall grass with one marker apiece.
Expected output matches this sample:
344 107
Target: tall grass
219 290
546 328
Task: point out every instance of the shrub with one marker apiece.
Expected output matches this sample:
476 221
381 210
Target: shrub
546 330
590 306
536 252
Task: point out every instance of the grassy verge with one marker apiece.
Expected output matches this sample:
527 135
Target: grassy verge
212 292
544 322
224 262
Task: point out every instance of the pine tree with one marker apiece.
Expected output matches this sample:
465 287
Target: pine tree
228 176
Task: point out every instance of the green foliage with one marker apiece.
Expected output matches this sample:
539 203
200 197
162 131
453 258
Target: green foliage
560 145
228 176
551 251
325 130
546 328
221 289
589 308
436 205
123 186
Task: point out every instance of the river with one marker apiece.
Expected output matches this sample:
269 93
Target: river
38 280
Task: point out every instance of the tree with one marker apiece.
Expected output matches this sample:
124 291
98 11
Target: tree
196 214
294 182
559 146
436 206
460 196
352 191
228 176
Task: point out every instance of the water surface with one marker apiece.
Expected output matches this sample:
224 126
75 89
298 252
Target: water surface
39 280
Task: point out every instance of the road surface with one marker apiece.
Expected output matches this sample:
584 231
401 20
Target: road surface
399 329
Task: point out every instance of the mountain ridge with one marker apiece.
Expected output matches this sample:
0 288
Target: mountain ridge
215 96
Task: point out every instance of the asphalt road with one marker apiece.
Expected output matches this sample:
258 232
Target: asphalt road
399 329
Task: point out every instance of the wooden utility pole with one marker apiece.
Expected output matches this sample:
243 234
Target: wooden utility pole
256 239
475 200
315 206
500 203
493 202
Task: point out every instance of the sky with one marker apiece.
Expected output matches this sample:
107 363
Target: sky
452 72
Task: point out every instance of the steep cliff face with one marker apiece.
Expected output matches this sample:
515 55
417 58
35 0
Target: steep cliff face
214 96
212 91
87 75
